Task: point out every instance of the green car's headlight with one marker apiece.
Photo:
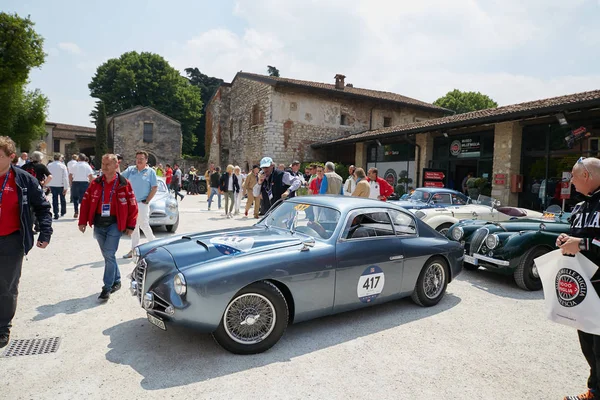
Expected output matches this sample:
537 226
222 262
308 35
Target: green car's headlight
457 233
492 241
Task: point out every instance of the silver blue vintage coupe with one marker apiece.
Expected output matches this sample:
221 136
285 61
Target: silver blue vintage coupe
308 257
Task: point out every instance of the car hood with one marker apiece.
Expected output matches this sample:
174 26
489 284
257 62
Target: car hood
192 249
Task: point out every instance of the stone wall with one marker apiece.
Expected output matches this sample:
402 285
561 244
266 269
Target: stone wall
218 126
127 131
507 160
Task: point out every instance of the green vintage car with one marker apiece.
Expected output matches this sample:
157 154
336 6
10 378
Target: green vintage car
510 247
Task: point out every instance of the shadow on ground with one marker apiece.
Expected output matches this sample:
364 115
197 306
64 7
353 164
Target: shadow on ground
498 284
180 356
71 306
98 264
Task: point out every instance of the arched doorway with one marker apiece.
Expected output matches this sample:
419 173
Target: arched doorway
151 160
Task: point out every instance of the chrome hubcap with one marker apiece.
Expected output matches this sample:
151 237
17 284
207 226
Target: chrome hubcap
249 318
443 231
534 271
435 277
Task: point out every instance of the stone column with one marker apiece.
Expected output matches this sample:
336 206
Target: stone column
507 160
360 155
425 142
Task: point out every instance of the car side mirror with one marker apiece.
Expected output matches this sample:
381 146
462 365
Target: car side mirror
307 244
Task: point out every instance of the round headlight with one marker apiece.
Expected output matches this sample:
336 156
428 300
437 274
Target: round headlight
179 284
457 233
136 255
148 301
491 241
172 205
420 214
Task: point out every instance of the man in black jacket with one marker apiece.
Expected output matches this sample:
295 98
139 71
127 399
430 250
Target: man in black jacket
584 237
277 184
18 192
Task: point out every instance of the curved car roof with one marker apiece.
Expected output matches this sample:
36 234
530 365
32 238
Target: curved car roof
439 190
341 203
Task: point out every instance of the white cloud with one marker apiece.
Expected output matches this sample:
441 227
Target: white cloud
513 51
70 47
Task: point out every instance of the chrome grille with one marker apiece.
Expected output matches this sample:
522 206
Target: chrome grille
140 275
478 239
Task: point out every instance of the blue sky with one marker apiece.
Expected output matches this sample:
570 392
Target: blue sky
512 50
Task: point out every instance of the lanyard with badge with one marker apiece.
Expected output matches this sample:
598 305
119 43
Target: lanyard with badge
106 207
2 190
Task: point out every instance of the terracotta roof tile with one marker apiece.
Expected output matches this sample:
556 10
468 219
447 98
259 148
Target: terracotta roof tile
77 128
505 113
348 90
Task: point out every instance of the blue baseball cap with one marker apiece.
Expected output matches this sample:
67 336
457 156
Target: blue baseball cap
266 162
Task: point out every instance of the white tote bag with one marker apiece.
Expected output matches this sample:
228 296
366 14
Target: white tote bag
570 298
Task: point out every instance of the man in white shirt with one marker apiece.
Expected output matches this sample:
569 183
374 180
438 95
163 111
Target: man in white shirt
80 176
350 184
23 159
70 165
58 185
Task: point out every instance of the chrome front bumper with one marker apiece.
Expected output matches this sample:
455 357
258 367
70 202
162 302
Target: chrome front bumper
502 263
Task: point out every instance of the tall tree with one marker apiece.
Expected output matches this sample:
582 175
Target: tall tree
208 86
462 102
101 134
147 79
273 71
22 112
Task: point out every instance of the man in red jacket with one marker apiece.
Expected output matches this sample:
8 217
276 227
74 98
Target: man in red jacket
109 206
380 189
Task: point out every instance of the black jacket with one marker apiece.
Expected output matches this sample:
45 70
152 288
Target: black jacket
214 179
273 184
31 196
585 223
224 183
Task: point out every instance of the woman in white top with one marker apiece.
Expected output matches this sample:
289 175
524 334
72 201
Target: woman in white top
237 171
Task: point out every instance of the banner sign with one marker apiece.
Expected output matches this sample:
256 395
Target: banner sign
466 147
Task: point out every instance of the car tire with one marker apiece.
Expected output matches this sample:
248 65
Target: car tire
432 282
443 229
269 299
173 228
202 187
526 270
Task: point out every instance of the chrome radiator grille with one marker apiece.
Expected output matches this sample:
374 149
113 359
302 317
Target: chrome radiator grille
478 238
140 275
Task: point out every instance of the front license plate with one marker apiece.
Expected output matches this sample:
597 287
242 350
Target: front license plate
471 260
157 322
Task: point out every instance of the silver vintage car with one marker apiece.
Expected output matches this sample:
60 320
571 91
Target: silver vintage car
307 258
164 210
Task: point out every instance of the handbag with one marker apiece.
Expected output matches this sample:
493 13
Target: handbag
569 297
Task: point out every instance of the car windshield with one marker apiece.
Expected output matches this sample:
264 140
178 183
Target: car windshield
485 201
420 195
162 186
315 221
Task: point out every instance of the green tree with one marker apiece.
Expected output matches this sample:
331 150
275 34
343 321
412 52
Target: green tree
147 79
22 113
462 102
273 71
101 134
208 86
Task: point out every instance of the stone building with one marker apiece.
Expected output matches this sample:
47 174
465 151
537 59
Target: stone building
256 115
144 128
67 139
521 151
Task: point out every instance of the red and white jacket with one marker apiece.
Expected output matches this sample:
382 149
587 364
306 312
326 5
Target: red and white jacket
385 189
126 210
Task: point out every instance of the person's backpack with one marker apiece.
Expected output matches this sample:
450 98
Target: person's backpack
28 167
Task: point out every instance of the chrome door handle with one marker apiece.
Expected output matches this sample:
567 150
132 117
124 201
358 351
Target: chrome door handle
394 258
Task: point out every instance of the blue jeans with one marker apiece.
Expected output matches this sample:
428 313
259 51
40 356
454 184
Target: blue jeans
108 239
57 192
213 191
78 188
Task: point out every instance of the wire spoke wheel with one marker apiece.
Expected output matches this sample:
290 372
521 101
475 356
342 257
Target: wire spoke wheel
434 280
250 318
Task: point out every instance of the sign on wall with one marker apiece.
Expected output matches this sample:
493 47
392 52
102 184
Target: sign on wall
434 178
465 147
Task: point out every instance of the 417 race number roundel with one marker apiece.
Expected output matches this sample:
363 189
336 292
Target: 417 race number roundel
370 284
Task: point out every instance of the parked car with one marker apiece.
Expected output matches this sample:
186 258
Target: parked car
199 182
510 247
485 208
308 257
432 198
164 210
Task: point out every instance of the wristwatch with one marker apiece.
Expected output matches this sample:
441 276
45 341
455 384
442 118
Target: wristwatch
583 245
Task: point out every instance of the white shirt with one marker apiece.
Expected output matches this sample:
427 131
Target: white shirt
21 162
81 171
230 183
70 165
60 176
349 186
375 192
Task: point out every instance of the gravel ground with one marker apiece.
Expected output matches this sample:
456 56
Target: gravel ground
487 339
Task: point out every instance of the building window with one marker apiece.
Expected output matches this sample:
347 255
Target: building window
255 115
56 144
387 121
240 126
148 131
343 119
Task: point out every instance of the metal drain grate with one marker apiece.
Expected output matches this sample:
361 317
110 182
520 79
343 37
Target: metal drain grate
30 347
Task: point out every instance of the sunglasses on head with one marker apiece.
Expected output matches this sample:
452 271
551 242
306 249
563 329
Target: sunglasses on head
580 161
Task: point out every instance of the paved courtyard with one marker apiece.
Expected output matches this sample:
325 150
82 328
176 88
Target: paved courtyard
487 339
